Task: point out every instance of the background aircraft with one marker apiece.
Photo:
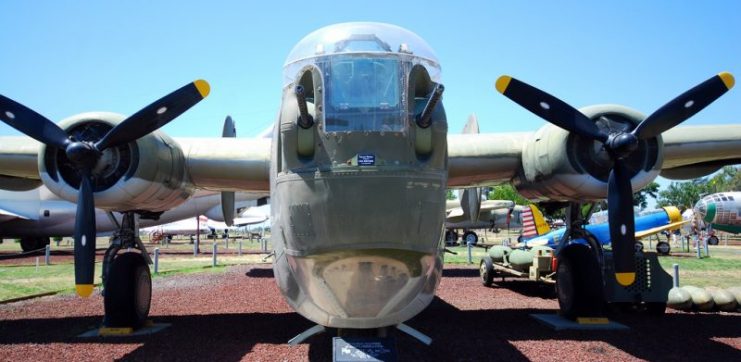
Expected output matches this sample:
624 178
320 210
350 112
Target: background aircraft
205 226
646 224
720 211
490 214
36 215
360 141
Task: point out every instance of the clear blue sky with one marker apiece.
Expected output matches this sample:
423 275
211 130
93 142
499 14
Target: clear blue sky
66 57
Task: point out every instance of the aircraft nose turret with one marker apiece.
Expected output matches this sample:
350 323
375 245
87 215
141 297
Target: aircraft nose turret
701 208
705 210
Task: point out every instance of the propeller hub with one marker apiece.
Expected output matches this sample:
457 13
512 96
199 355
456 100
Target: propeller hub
622 144
83 154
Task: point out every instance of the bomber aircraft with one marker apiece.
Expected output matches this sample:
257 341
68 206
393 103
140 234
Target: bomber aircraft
721 211
360 141
36 215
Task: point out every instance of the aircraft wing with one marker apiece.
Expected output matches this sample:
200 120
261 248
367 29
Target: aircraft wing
19 169
6 215
455 212
221 164
475 159
495 158
490 205
696 151
658 229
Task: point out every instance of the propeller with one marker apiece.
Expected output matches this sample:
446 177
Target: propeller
85 155
618 145
227 197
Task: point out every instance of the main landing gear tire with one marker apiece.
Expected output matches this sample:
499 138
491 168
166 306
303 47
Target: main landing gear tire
128 292
579 283
663 248
713 240
486 270
470 237
31 244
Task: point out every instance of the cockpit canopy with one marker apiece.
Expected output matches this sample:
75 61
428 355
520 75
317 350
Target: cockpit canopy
365 71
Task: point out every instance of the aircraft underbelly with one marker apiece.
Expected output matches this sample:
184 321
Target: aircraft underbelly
359 249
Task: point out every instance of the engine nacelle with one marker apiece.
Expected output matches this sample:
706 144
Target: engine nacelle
560 166
147 175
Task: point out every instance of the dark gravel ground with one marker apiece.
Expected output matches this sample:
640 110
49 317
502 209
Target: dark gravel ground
240 315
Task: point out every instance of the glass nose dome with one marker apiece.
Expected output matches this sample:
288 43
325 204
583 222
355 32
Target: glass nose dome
360 38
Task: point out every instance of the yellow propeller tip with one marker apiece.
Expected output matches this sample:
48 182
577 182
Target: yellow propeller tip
502 83
203 88
727 79
84 290
625 279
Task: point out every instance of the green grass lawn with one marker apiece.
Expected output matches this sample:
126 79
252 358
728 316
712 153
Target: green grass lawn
722 268
24 280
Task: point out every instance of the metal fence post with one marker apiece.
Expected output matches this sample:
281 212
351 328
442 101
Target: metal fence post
697 246
470 246
156 260
675 277
240 247
216 247
47 255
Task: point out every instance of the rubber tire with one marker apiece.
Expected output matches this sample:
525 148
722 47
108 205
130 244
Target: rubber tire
663 248
34 243
486 271
128 292
713 240
579 285
466 235
656 309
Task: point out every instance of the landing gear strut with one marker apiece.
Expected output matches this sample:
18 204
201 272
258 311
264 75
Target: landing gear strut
579 279
127 282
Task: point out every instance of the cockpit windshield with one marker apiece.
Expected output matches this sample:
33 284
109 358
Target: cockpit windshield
363 94
364 69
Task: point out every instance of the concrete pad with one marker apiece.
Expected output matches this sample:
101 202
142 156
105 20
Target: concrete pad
150 328
559 323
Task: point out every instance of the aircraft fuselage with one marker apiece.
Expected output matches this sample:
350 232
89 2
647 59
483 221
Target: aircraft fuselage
358 198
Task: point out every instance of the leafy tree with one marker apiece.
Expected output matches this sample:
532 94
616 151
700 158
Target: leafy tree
450 195
683 195
507 192
640 198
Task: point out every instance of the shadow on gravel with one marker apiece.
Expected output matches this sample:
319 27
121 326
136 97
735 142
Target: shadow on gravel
527 288
449 272
483 334
457 335
260 273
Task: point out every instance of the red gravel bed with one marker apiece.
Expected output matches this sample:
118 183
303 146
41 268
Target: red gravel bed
239 315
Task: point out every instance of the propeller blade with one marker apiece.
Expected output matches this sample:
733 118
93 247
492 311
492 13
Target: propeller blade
155 115
622 223
31 123
227 207
549 107
85 238
227 197
684 106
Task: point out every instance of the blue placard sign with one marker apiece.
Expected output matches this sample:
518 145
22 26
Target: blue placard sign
366 159
363 349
